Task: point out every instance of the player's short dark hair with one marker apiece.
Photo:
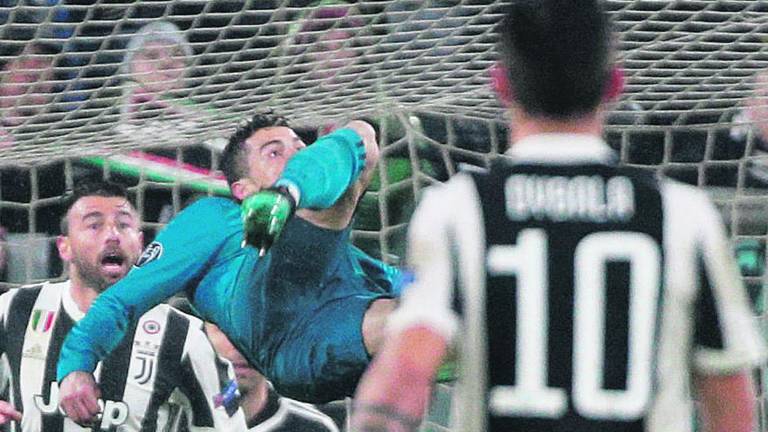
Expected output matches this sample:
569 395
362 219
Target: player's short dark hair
91 187
557 54
234 161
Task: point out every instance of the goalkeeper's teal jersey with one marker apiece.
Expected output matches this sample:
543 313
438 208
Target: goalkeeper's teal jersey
257 302
295 313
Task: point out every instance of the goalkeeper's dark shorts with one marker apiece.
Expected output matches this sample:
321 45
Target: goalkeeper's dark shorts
312 303
325 356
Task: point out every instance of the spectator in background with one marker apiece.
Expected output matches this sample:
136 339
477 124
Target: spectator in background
26 84
155 64
751 123
322 42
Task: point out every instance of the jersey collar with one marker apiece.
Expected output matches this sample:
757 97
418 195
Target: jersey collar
561 149
69 304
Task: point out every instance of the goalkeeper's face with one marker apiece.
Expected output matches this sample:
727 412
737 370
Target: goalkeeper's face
103 241
268 150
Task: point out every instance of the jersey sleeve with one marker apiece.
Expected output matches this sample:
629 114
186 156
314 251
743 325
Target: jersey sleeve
176 259
326 169
433 255
725 334
209 386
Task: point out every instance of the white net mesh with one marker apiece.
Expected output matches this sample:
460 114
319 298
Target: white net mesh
87 87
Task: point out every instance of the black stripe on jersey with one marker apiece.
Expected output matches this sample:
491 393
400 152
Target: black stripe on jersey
222 371
168 376
64 323
457 303
189 384
617 275
18 318
707 328
114 370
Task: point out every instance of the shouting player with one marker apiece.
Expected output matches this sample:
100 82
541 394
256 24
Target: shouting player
162 367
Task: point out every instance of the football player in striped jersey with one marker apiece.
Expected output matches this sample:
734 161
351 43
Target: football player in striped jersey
589 296
164 368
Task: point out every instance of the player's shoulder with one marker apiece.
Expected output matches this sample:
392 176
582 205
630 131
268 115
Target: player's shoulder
208 207
32 289
694 201
205 214
164 312
461 183
211 204
445 197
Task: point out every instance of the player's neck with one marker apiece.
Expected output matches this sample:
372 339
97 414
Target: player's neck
524 125
82 294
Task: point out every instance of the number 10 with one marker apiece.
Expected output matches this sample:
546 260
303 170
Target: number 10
527 260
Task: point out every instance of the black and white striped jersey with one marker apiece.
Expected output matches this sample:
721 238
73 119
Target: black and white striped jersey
165 367
582 294
287 415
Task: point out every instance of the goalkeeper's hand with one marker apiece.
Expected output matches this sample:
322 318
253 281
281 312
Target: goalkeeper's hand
265 214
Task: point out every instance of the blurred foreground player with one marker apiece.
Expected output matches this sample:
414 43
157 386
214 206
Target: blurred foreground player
589 297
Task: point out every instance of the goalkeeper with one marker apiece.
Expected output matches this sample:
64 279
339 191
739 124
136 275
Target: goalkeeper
308 313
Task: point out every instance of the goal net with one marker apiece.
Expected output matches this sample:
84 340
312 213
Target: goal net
147 92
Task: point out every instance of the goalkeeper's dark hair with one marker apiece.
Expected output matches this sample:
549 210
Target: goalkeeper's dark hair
91 187
234 160
557 54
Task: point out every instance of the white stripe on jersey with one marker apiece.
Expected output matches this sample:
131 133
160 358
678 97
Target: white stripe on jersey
290 408
693 229
37 338
454 206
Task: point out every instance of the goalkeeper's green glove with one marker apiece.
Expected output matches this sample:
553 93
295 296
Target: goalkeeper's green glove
264 215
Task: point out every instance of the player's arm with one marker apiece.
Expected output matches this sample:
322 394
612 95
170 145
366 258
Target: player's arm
394 391
383 401
208 384
324 182
727 344
727 401
339 215
175 259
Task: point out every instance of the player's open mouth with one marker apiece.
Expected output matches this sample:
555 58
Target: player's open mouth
112 262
